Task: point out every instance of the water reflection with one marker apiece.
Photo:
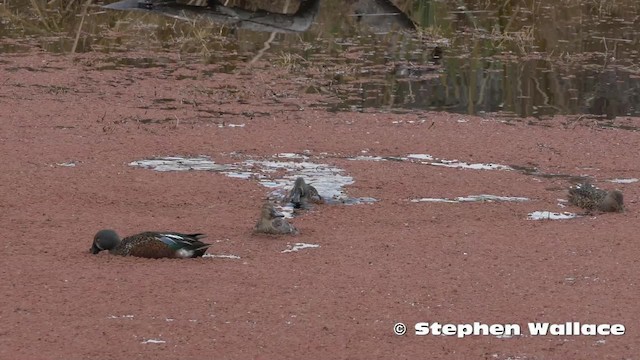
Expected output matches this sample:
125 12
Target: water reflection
380 16
536 88
212 10
509 58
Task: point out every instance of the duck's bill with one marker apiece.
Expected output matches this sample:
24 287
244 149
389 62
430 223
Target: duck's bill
94 249
276 214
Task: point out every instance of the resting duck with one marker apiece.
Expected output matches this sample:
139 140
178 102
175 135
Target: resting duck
589 197
303 194
272 222
150 244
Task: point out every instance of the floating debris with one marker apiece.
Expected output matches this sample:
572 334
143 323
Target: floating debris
290 156
300 246
623 181
153 341
420 156
474 198
434 200
231 125
177 163
422 121
548 215
430 160
120 317
245 175
66 164
464 165
221 256
353 201
367 158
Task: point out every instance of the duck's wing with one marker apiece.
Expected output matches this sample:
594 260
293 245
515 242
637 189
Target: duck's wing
196 236
282 226
178 241
184 245
313 195
586 196
158 245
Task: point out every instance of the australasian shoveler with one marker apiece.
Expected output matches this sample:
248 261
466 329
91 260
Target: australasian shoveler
150 244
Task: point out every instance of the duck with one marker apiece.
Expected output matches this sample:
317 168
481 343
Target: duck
589 197
272 222
150 244
303 194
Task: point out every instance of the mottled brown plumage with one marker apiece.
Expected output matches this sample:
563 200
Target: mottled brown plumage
303 194
271 222
149 244
591 198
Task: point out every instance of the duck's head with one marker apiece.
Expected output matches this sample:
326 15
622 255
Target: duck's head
613 202
299 183
104 240
269 213
298 191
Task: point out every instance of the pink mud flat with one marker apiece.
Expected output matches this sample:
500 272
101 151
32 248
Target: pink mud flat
69 131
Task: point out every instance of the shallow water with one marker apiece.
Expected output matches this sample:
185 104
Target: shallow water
177 163
487 57
328 180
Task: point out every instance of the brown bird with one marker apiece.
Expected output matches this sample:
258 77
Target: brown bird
589 197
272 222
303 194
